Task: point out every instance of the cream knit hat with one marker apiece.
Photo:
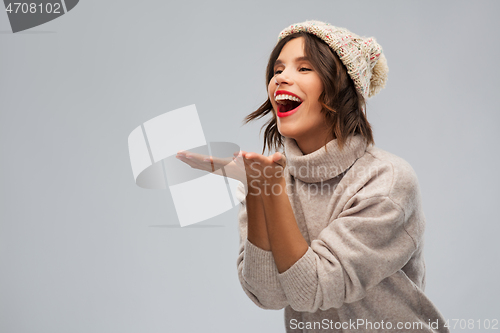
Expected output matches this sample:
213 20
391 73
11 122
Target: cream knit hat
363 57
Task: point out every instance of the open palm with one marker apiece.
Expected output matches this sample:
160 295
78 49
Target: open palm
232 167
243 166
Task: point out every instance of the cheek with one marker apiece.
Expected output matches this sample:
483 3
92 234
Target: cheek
316 86
270 89
270 93
318 90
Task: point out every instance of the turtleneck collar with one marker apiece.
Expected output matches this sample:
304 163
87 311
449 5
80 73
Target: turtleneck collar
321 165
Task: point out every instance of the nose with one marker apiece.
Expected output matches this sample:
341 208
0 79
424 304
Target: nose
282 78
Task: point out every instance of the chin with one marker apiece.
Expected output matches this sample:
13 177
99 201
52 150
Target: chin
287 134
288 128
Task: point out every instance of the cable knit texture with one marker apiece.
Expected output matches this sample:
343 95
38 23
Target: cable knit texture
363 57
360 212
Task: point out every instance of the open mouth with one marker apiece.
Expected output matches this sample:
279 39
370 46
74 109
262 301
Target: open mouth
287 101
287 105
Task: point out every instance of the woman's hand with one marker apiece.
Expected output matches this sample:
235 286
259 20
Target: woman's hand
263 171
254 170
232 167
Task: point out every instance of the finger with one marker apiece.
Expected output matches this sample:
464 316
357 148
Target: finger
279 158
246 154
203 162
252 161
256 157
191 163
196 156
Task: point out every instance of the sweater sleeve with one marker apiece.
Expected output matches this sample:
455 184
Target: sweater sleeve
365 244
257 270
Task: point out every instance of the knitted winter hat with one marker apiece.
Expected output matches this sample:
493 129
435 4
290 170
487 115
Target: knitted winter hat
363 57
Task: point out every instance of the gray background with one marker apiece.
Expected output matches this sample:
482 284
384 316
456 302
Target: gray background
83 249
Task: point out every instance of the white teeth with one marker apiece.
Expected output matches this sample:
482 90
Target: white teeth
283 97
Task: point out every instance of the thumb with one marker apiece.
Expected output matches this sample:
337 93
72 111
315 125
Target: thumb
279 158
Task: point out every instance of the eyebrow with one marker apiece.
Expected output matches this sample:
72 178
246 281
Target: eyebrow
279 62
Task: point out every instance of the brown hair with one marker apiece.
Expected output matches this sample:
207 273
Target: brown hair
343 105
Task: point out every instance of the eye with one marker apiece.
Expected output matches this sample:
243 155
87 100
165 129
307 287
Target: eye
278 71
304 69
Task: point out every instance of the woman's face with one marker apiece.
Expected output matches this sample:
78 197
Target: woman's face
294 92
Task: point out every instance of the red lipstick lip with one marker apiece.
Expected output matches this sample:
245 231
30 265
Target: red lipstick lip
284 92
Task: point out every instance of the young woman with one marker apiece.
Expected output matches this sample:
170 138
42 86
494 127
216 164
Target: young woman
332 229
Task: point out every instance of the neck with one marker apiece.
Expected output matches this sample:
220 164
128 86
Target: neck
313 143
323 164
